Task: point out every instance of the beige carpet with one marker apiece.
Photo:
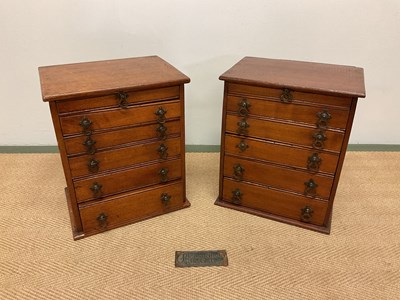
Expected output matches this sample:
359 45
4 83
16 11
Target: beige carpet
267 259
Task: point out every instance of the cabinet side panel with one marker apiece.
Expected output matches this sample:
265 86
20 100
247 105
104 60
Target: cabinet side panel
222 149
71 198
183 151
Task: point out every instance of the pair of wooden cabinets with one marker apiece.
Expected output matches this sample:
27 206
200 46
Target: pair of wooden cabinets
120 131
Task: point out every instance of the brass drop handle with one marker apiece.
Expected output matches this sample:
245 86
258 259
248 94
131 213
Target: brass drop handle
311 187
314 162
319 139
86 123
286 96
93 165
89 144
237 196
306 214
244 106
242 146
160 113
162 151
323 119
238 171
162 131
243 125
164 174
102 219
122 99
96 189
165 198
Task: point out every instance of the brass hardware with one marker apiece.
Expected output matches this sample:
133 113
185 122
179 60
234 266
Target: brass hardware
311 187
89 144
122 99
236 196
243 125
162 150
244 106
164 174
102 219
306 213
319 139
238 172
323 119
314 161
160 112
96 189
86 123
165 198
242 146
286 96
93 165
162 131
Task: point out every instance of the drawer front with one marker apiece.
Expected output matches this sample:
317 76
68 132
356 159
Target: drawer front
131 207
114 100
313 115
278 177
283 132
307 159
83 144
297 97
124 157
275 202
91 122
105 185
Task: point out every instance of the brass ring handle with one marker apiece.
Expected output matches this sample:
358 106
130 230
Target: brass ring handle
162 131
162 151
93 165
323 119
86 123
96 189
89 144
306 214
242 126
238 171
160 113
314 162
319 139
311 187
237 196
165 198
244 106
102 219
286 96
242 146
164 174
122 99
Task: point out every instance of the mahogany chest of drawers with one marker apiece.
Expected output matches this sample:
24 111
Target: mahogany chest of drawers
285 130
120 131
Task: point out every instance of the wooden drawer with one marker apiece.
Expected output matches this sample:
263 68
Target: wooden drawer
123 157
298 97
108 184
119 117
286 133
298 113
113 100
278 177
76 144
131 207
278 153
275 202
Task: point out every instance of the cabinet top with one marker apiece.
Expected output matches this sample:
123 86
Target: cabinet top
298 75
100 77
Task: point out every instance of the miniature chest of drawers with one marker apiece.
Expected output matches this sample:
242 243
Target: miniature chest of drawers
285 130
120 131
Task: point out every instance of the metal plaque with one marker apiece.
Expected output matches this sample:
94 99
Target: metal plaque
201 258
